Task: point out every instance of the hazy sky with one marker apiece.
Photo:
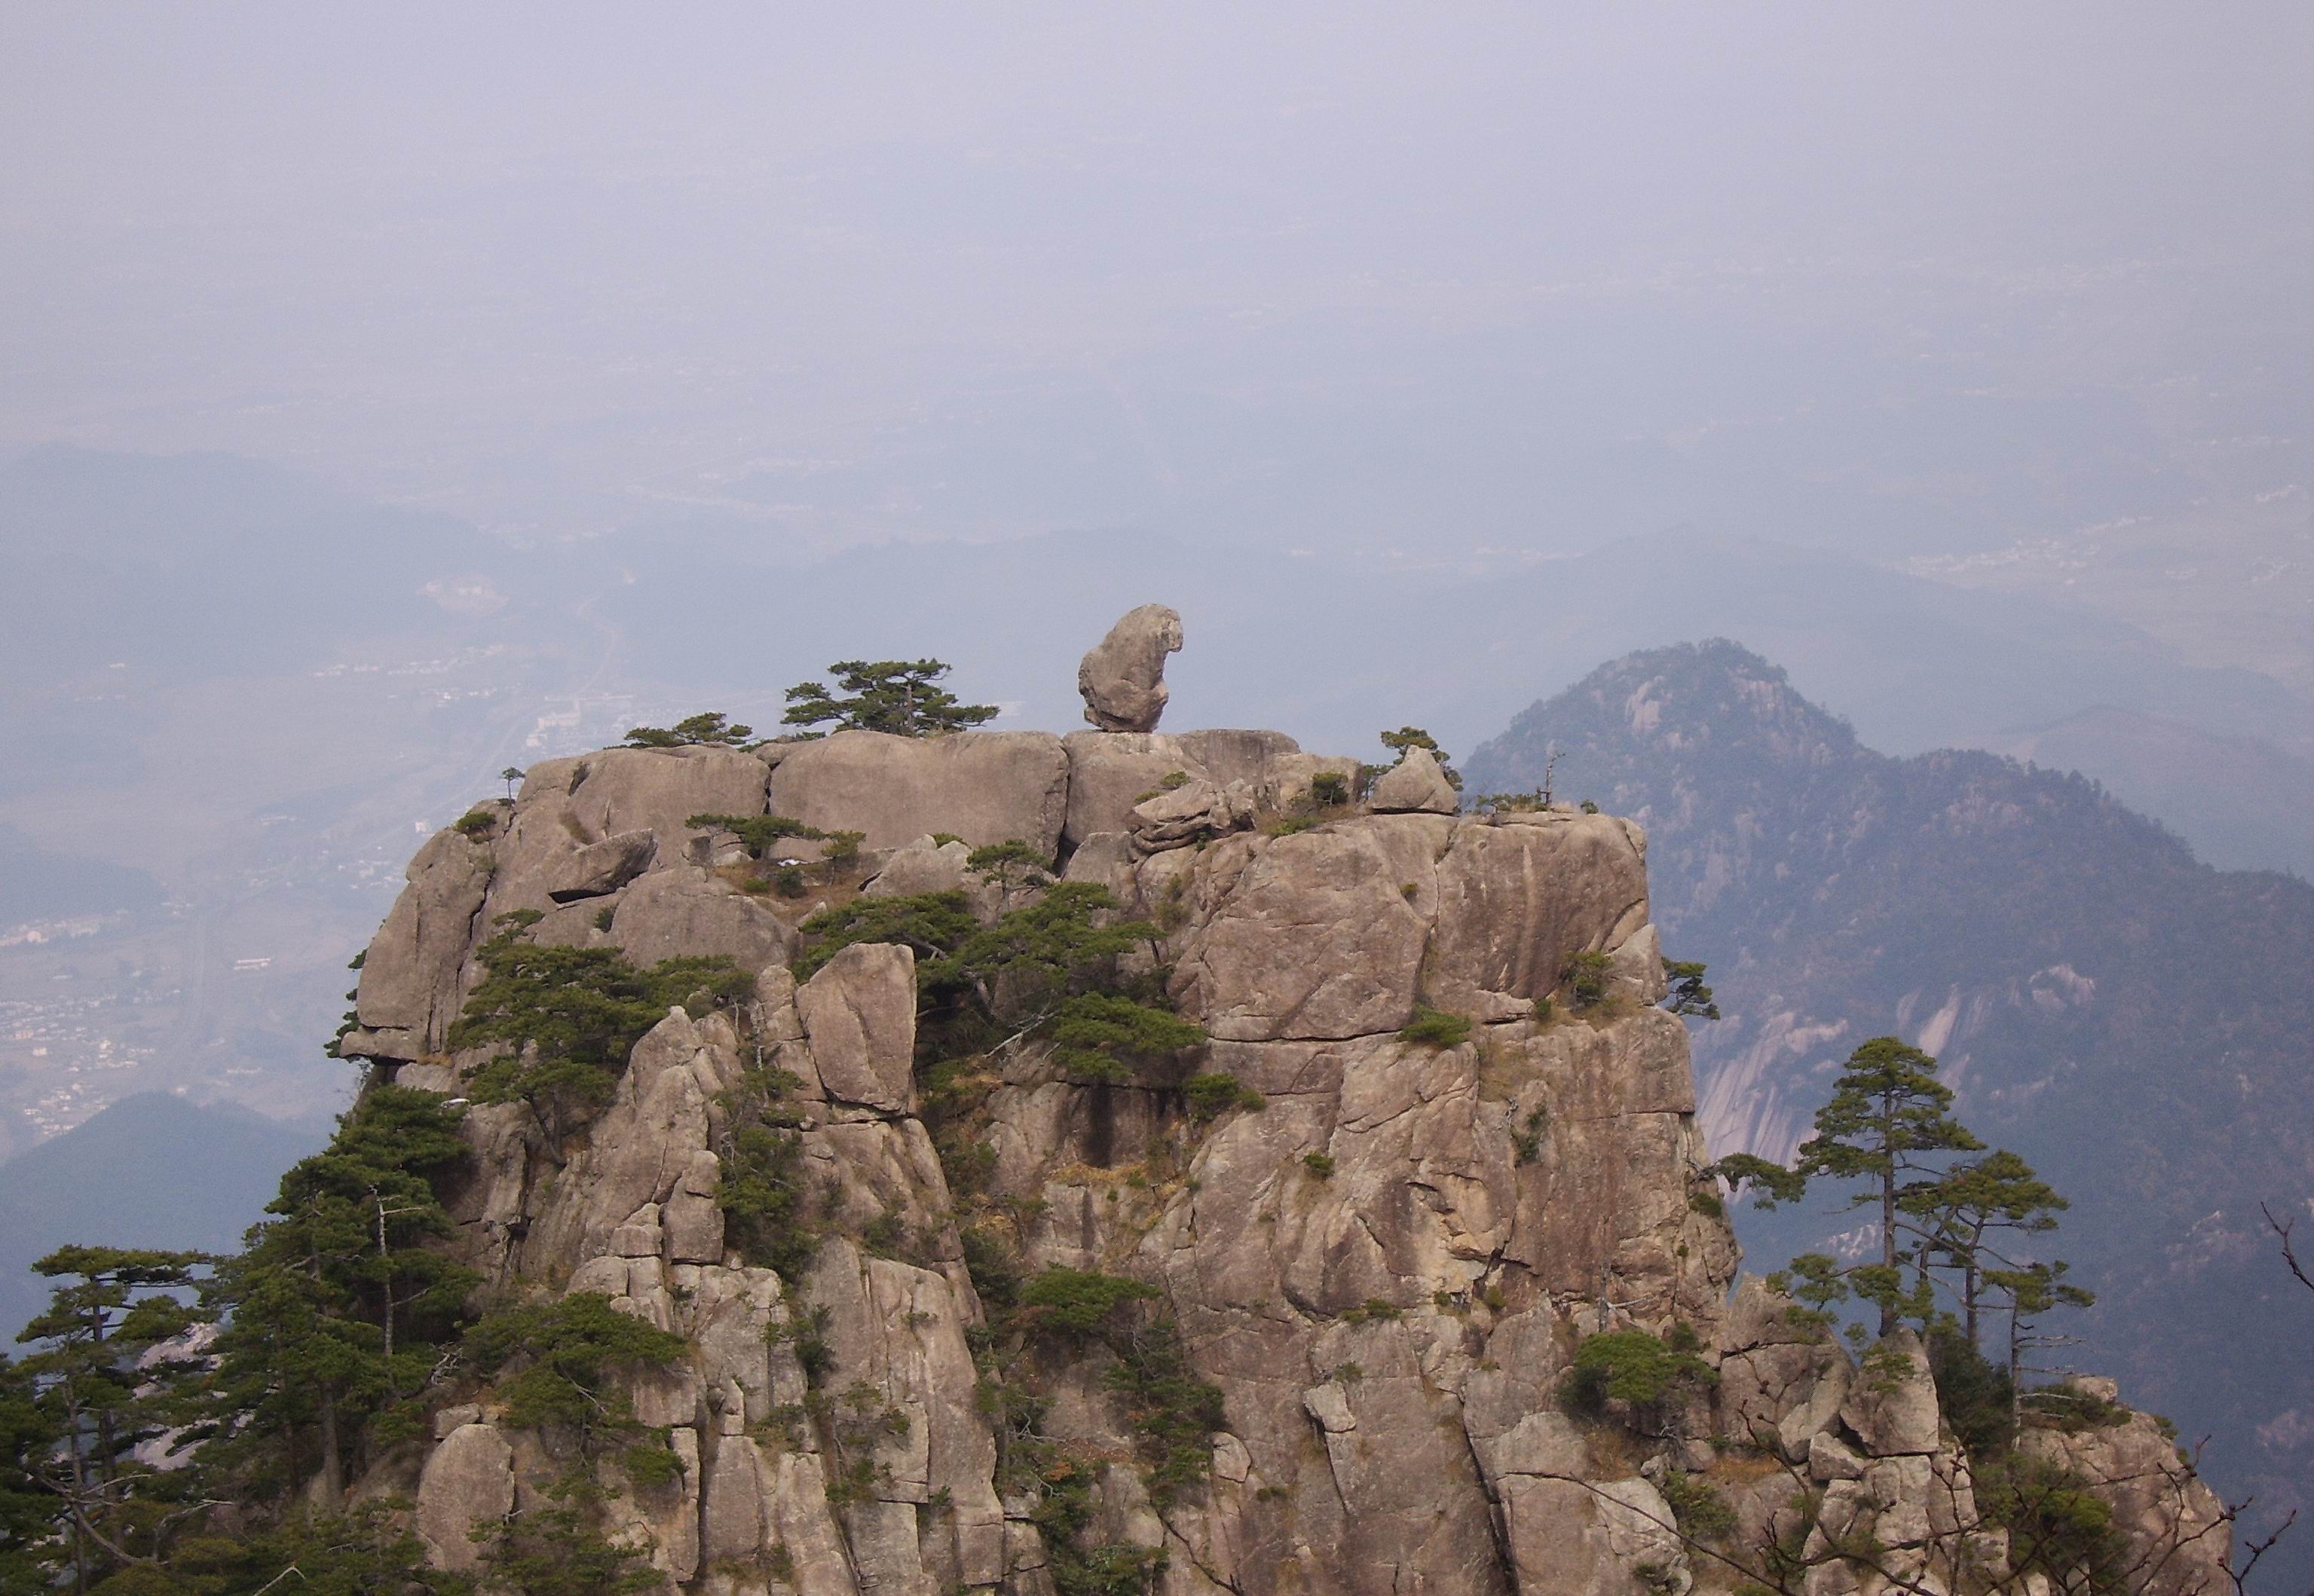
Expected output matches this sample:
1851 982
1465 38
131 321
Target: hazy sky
1913 278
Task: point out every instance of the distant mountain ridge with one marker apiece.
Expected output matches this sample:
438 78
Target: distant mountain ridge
151 1170
2134 1022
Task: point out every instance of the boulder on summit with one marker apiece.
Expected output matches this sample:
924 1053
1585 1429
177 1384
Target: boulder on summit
1123 676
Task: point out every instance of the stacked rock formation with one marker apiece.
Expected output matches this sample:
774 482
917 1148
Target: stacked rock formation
1386 1268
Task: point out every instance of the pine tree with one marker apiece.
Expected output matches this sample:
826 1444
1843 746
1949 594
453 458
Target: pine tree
1048 969
28 1442
1684 992
115 1366
336 1308
2024 1293
899 696
690 732
1010 865
1887 1108
1408 738
569 1017
1961 1212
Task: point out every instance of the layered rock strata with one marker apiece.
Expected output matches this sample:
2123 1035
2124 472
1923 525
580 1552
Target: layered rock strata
1385 1256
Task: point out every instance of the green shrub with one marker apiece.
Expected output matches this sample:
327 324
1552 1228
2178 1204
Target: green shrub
651 1464
1173 782
1212 1093
2058 1526
1706 1204
475 824
691 731
1698 1509
1318 1164
1972 1393
1586 978
886 1236
1096 1037
1077 1302
1526 1143
843 847
1633 1366
560 1550
1172 1412
758 833
789 882
563 1354
761 1193
1287 825
568 1017
1432 1027
994 1266
1329 788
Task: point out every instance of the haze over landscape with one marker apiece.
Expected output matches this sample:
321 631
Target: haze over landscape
389 402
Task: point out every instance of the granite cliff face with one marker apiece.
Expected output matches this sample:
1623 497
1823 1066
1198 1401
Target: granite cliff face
1383 1253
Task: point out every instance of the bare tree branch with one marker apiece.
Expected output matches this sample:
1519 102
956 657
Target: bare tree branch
2289 1256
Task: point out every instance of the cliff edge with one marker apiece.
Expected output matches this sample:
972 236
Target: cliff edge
1408 1277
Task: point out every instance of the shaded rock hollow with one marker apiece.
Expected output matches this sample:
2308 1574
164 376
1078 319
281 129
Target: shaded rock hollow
1385 1267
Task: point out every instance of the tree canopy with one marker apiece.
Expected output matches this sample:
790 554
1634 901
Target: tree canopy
900 696
691 731
568 1016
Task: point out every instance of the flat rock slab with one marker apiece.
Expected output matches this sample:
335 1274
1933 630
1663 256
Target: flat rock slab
860 1012
983 787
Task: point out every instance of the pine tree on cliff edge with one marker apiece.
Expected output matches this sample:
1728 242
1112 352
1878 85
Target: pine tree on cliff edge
900 696
1887 1108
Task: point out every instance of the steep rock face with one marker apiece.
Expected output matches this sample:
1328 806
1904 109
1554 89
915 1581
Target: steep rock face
1383 1254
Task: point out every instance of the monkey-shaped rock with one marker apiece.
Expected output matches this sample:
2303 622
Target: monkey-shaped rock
1123 678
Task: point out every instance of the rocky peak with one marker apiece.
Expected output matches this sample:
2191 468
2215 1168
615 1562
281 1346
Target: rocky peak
1713 706
1357 1239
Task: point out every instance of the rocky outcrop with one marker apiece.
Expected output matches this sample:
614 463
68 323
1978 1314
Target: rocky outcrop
410 989
1123 676
1196 811
601 867
1384 1250
1112 774
2175 1534
1415 785
983 787
467 1484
